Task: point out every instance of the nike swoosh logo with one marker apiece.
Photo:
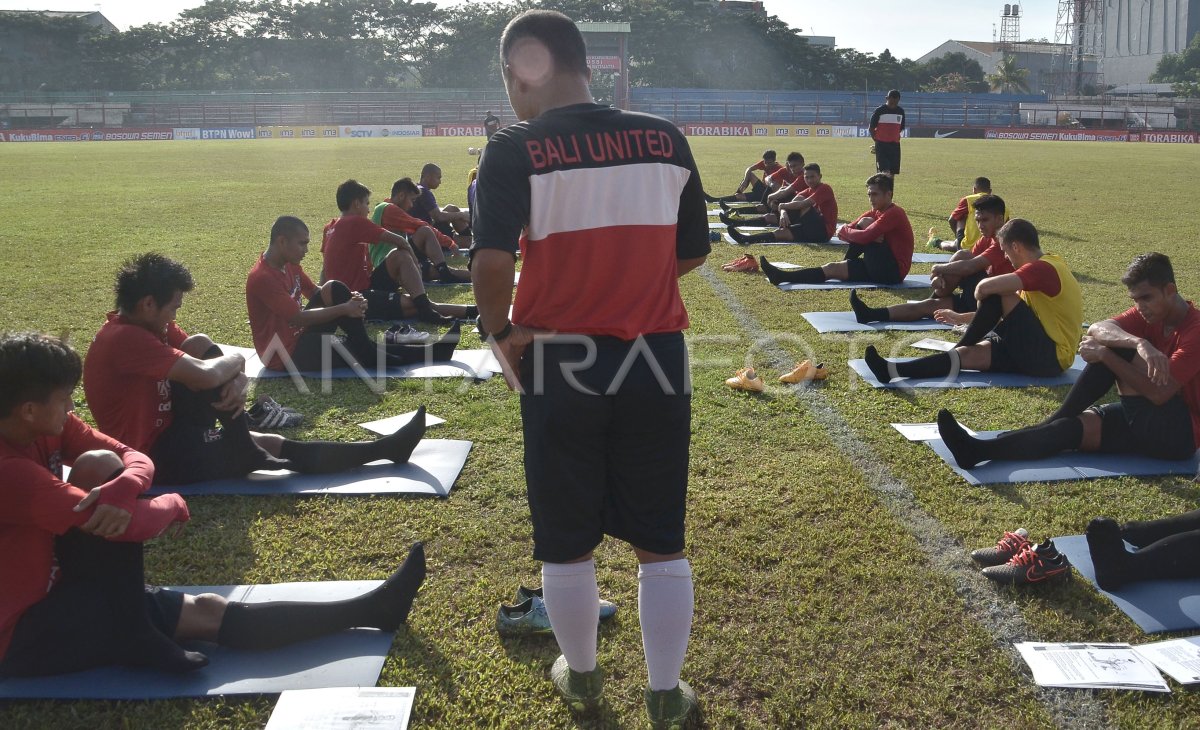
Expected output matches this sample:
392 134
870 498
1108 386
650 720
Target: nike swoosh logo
939 135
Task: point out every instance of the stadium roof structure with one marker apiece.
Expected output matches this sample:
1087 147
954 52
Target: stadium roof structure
91 17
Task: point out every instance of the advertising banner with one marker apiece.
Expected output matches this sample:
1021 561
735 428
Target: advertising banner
304 131
947 132
803 131
1059 135
380 130
866 132
717 130
604 63
845 131
227 133
460 130
186 134
1167 137
125 134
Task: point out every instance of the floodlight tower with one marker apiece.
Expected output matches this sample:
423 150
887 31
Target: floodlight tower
1080 35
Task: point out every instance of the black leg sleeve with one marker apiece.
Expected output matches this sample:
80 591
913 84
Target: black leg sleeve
987 316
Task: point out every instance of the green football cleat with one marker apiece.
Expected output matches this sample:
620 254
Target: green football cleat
672 709
581 691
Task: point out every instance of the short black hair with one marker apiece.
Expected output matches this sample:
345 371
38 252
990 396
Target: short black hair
1152 268
880 180
893 94
983 184
32 366
553 30
429 167
350 191
769 156
813 167
150 274
287 225
403 185
795 157
1019 230
990 204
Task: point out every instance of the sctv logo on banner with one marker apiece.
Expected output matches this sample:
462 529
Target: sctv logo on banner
378 130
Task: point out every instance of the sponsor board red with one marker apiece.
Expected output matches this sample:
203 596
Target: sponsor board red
1059 135
88 135
717 130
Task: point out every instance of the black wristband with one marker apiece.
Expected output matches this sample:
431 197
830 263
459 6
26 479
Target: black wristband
503 333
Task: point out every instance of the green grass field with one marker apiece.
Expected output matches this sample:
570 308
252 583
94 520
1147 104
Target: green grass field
833 583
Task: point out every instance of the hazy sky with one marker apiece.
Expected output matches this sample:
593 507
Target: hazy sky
909 28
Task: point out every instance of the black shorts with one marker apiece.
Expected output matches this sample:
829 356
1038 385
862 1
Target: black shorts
964 299
1135 425
758 191
186 453
809 228
887 157
1020 345
872 262
613 460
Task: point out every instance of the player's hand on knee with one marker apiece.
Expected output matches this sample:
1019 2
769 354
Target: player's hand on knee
107 521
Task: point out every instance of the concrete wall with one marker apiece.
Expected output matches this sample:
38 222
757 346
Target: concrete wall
1137 33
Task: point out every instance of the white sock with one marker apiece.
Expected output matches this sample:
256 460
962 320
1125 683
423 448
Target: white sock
665 603
573 605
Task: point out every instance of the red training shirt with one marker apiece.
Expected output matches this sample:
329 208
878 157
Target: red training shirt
344 247
826 203
1182 347
989 248
36 504
273 298
893 227
125 380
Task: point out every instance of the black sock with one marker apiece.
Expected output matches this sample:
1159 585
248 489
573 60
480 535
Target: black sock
933 366
760 220
1142 534
154 649
324 457
426 312
472 312
1035 442
279 623
987 316
776 275
1095 380
864 314
709 198
249 455
1109 556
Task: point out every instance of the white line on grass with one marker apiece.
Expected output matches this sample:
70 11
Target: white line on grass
1000 618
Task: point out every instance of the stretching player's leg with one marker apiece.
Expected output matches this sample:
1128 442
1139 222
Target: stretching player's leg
1095 380
1170 557
907 312
1142 533
400 269
325 457
267 625
425 241
1034 442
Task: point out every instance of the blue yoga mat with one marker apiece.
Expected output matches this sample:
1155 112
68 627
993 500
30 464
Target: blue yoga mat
431 471
845 322
1067 466
912 281
1155 606
970 378
347 659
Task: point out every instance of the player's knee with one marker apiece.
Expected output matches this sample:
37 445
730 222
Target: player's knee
93 468
334 292
200 346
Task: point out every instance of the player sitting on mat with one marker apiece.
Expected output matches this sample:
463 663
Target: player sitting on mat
1151 352
780 186
810 217
151 386
962 220
430 245
751 188
880 250
448 219
1166 550
75 596
964 271
288 335
346 259
1036 313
